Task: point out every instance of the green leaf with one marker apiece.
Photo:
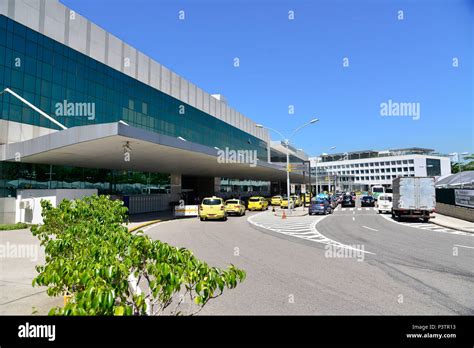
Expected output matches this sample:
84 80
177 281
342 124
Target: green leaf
119 310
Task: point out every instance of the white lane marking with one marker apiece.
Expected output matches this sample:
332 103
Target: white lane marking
353 212
343 209
367 208
427 226
370 228
359 208
464 246
353 219
351 209
265 221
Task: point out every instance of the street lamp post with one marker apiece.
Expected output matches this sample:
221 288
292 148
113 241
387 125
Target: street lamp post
459 162
287 144
463 154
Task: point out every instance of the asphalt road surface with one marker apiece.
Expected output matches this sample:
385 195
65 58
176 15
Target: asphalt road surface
354 262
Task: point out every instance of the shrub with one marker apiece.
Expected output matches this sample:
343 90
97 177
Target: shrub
93 258
17 226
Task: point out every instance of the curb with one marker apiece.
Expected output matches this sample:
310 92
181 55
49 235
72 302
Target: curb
436 222
148 223
290 216
276 213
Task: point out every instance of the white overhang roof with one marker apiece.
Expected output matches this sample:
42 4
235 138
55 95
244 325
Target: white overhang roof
102 146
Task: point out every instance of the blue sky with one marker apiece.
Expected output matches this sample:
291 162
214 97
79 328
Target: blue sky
300 62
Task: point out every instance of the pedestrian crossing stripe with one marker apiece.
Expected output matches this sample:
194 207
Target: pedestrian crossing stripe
305 230
430 226
351 209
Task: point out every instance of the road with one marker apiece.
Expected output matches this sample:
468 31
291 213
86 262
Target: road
388 268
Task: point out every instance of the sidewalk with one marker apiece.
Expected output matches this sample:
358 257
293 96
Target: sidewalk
299 211
454 223
138 221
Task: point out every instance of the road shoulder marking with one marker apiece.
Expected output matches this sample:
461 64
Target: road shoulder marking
464 246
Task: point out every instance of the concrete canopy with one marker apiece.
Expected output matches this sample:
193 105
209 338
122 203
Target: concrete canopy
102 146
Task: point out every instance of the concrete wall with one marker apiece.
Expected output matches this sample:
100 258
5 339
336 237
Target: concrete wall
64 25
138 204
455 211
33 199
7 210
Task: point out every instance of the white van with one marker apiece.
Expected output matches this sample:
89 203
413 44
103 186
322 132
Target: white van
384 203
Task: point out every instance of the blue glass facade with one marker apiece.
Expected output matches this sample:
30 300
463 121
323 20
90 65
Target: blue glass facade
46 72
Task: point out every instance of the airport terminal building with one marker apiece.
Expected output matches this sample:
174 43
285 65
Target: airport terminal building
360 170
82 111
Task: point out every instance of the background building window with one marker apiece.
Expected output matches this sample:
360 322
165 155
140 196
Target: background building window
433 167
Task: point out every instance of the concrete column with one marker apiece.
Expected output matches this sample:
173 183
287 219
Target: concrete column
175 184
217 185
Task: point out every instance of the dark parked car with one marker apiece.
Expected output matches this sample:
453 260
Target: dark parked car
348 201
367 201
320 206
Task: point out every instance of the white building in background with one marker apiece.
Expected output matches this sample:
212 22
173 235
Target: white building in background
363 169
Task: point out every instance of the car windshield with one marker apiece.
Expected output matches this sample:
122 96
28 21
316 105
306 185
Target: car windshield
319 201
385 198
232 202
377 189
212 201
366 197
254 200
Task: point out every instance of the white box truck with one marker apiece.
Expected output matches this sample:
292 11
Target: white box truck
413 198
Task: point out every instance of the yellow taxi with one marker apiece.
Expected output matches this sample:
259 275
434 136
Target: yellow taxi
234 206
307 198
212 208
284 202
257 203
276 200
297 200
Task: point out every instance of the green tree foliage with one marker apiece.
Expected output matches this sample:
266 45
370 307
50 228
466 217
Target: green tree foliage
107 270
468 165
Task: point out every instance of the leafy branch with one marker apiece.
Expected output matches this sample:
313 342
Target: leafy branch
106 270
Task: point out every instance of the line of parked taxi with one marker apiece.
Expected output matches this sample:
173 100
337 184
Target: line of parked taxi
295 200
215 208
